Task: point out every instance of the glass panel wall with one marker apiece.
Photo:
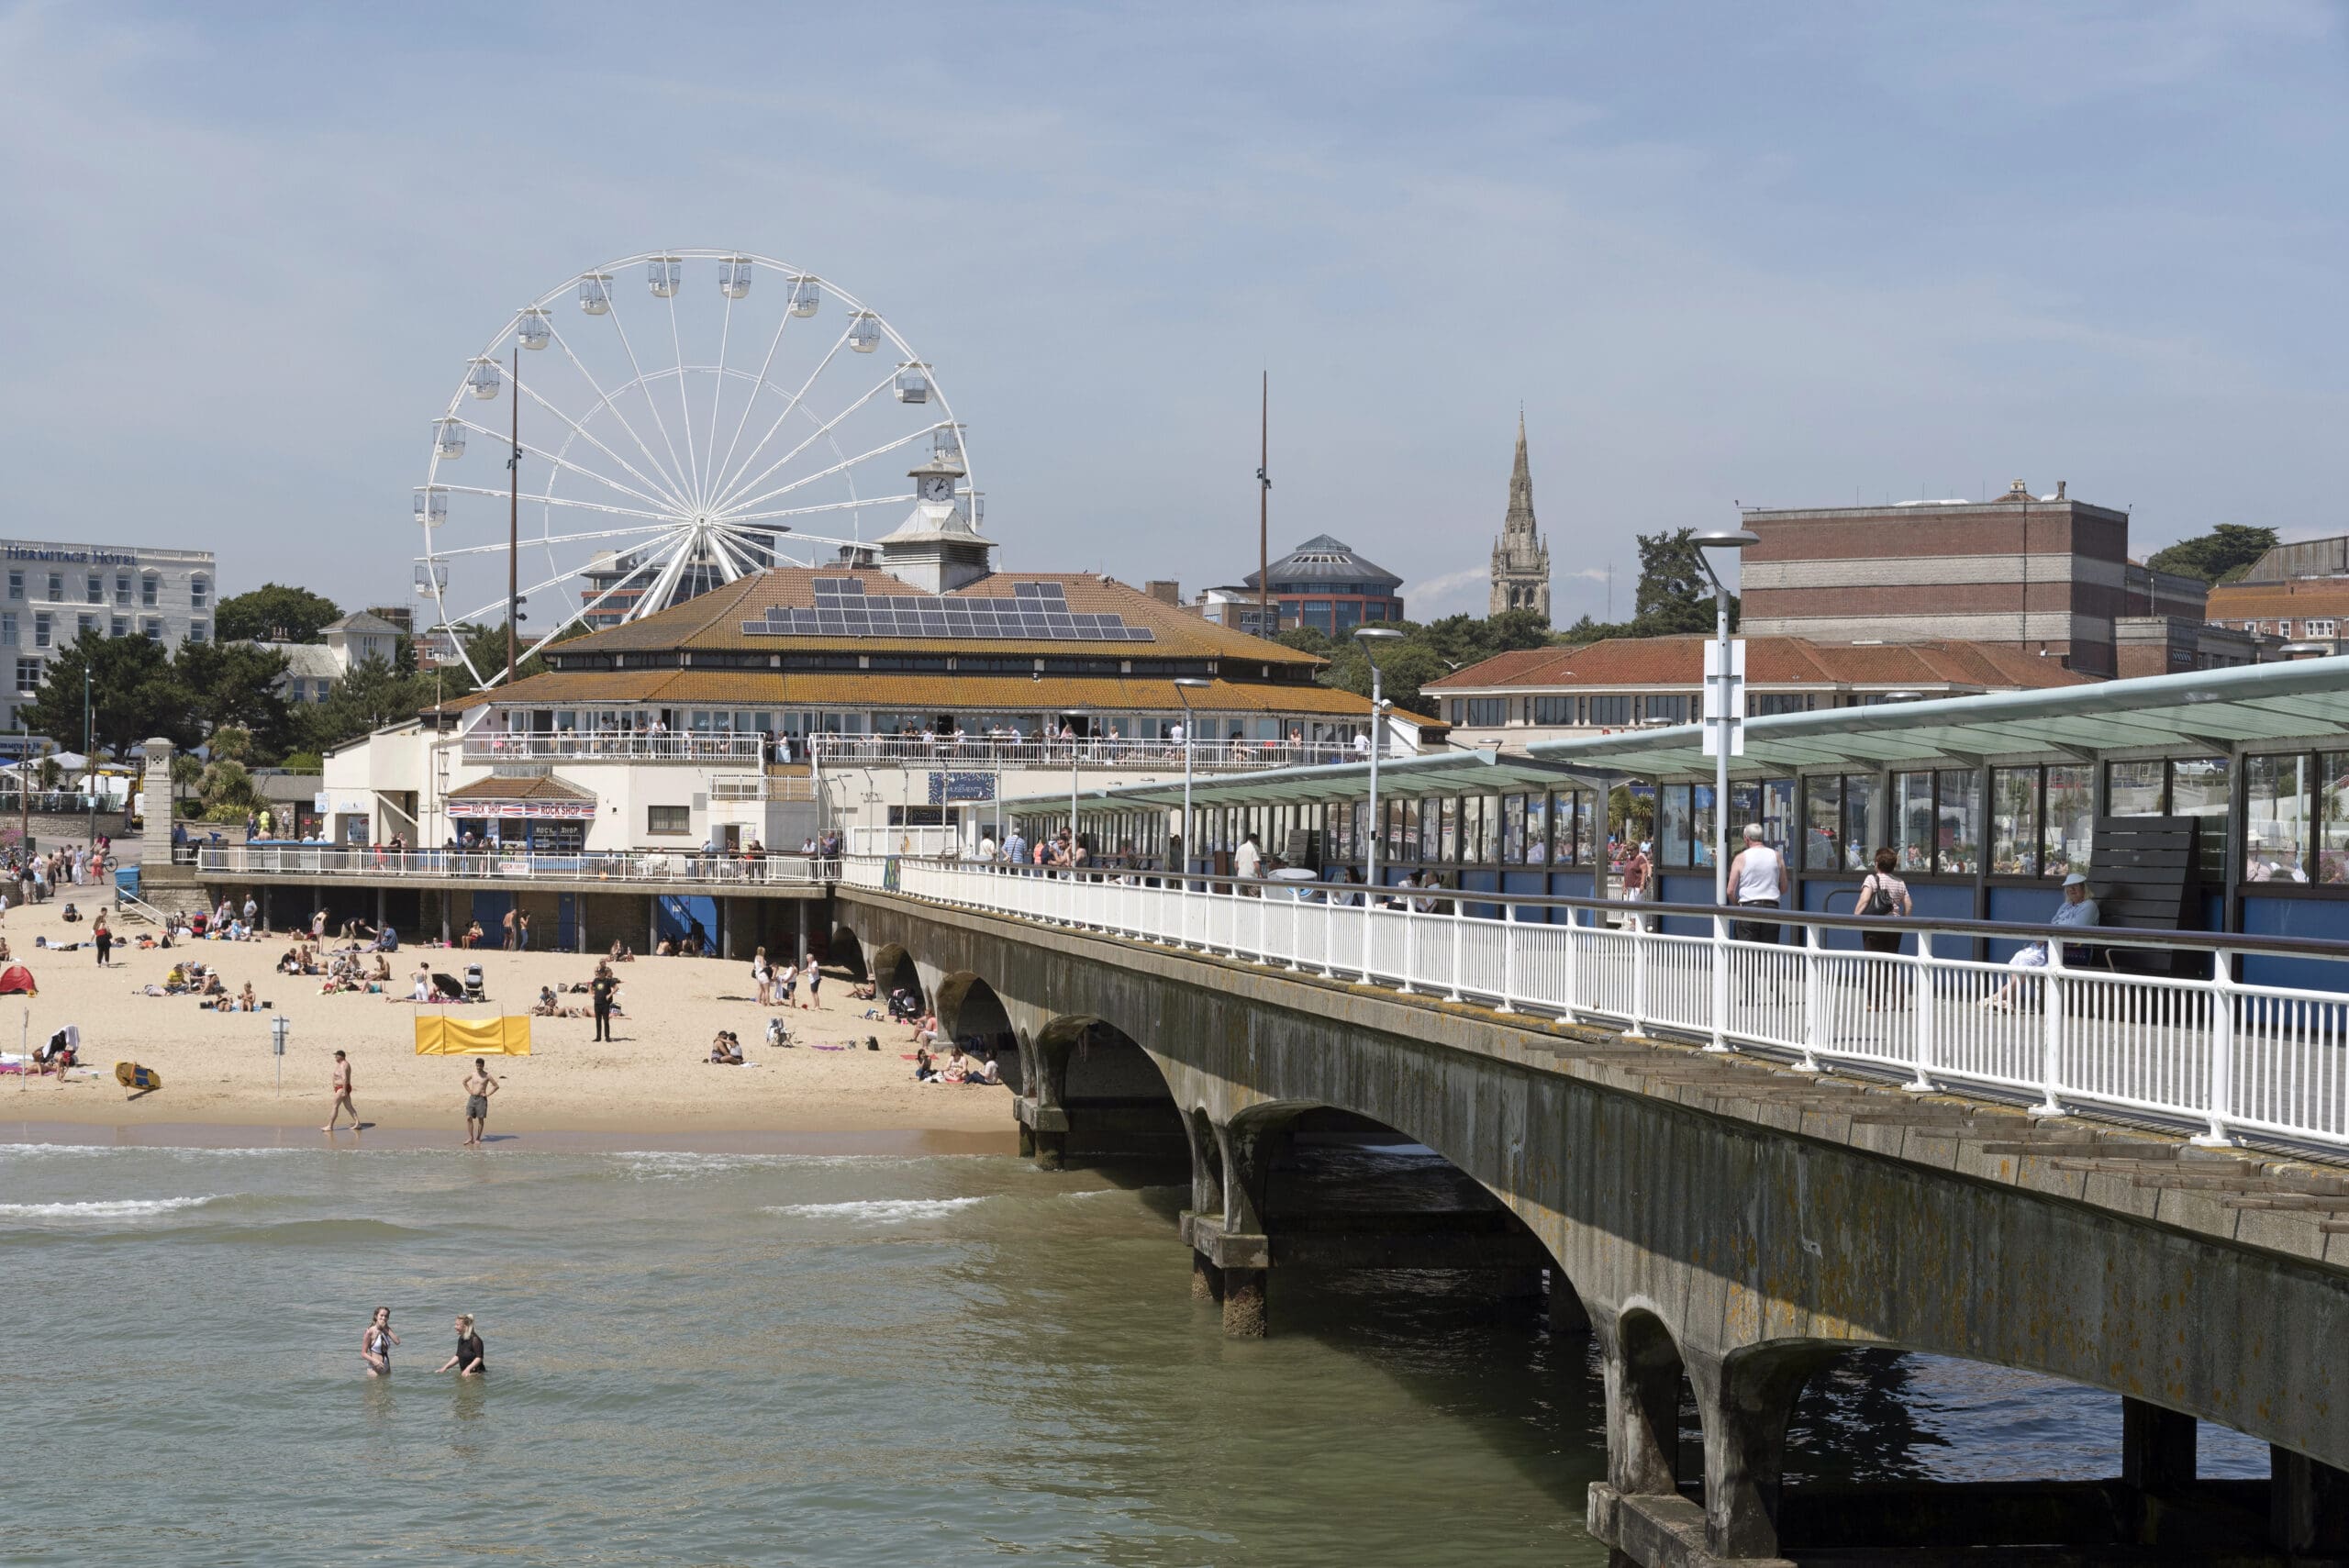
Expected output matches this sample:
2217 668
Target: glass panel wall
1822 839
2014 821
2069 820
1865 829
1673 841
1912 806
2202 786
1960 846
1702 835
2276 804
2133 789
2332 817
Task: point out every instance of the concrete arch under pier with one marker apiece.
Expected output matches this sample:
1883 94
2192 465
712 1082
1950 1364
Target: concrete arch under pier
1755 1221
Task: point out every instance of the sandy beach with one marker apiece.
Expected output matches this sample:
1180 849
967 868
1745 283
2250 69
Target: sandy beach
653 1078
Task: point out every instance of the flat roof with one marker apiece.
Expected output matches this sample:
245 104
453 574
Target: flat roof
2207 710
1482 771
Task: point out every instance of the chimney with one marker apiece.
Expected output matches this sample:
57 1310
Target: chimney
1165 590
2059 490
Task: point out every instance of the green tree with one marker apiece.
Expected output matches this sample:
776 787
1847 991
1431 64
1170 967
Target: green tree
1674 596
369 696
135 692
227 791
2224 554
274 612
235 685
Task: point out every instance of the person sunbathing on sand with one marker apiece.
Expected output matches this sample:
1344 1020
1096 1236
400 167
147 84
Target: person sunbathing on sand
245 1001
925 1069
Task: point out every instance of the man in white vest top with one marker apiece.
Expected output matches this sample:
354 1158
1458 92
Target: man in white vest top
1757 877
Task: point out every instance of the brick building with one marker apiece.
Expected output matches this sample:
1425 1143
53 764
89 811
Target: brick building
2047 576
2296 591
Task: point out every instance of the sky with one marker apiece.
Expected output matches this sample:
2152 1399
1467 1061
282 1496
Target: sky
1719 254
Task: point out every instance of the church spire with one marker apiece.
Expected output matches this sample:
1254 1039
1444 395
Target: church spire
1520 520
1520 575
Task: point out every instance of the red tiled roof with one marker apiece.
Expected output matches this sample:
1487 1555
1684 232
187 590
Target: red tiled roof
1769 662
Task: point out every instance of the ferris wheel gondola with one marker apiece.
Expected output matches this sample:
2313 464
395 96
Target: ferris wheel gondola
659 456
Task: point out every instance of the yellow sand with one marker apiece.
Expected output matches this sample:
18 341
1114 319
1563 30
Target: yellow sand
217 1067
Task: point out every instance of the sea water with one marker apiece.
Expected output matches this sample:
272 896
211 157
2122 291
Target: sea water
710 1358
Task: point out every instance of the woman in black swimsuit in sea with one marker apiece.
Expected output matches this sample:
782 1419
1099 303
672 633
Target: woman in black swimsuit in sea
470 1360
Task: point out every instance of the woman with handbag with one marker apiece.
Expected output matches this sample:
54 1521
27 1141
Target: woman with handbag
1884 896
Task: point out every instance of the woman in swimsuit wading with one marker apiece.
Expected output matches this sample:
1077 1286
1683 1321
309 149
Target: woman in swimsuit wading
375 1345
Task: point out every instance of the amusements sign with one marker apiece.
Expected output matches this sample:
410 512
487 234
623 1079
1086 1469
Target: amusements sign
948 788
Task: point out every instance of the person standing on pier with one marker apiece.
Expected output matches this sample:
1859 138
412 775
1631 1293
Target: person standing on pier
1757 878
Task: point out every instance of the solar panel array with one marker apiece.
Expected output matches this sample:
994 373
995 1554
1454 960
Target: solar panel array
1034 612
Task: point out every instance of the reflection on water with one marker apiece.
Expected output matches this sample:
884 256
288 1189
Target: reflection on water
818 1359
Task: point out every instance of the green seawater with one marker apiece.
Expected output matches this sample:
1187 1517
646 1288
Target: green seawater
702 1358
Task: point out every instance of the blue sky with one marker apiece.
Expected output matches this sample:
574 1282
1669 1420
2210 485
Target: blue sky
1720 252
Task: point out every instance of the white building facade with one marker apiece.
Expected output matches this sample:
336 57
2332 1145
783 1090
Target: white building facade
53 592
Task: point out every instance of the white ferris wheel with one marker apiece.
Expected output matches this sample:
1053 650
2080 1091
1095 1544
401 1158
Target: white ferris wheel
739 413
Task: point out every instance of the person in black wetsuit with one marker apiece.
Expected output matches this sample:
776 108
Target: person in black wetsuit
601 989
470 1360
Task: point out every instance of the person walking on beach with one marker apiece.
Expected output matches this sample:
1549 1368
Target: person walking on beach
522 932
471 1360
600 991
507 940
377 1343
478 1088
104 937
342 1101
810 978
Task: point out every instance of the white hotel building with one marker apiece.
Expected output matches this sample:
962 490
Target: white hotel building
54 592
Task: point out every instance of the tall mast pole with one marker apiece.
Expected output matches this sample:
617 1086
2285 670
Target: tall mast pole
514 515
1266 625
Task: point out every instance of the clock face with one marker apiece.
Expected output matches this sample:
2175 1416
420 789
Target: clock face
938 489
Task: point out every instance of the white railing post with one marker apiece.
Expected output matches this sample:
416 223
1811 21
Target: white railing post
1369 912
1720 1037
2222 1052
2051 991
1570 1004
1922 988
1509 957
1410 947
1459 906
1639 979
1814 1025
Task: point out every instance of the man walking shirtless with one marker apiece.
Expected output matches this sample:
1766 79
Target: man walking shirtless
342 1101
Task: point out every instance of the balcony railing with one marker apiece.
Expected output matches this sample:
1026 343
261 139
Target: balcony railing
608 746
2138 1039
594 868
1107 752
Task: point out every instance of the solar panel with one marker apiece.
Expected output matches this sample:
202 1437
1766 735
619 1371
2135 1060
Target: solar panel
1033 611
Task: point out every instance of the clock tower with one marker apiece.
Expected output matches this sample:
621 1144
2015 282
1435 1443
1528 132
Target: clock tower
937 549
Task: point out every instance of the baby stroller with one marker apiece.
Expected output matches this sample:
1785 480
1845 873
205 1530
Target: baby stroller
474 990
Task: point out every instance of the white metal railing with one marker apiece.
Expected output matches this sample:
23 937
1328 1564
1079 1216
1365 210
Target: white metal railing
591 867
924 840
2231 1056
608 746
760 786
1208 755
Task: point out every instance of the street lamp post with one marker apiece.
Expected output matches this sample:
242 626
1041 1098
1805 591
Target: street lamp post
1721 691
1183 686
90 755
1369 636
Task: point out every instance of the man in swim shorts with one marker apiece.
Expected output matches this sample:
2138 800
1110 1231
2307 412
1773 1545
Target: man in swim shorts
478 1088
342 1101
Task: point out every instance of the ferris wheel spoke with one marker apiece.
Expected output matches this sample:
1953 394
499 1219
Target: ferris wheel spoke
666 518
737 518
842 466
717 388
500 547
684 488
669 496
685 404
733 484
665 586
736 499
765 365
561 462
668 482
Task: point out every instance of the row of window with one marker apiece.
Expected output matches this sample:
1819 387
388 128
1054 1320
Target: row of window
752 721
46 629
1336 617
93 585
1615 711
2319 626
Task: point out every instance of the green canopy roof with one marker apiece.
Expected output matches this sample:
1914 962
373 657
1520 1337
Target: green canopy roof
1434 773
2206 710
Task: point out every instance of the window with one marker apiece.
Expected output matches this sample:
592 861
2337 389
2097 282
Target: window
1760 704
671 821
1488 710
56 586
1822 838
120 626
8 629
1447 829
16 584
151 630
1912 816
2200 787
2014 821
1314 613
1702 836
1537 829
122 589
2133 789
196 631
1588 834
2068 824
1349 615
196 588
1610 710
1673 841
2275 806
1513 829
85 624
1554 710
149 584
1672 710
28 677
2332 817
2321 629
1959 848
1864 829
96 585
41 621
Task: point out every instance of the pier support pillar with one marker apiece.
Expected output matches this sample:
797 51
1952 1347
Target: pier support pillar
2157 1447
1050 1150
1568 1314
799 913
1244 1302
1640 1371
1206 1279
2307 1505
1743 1403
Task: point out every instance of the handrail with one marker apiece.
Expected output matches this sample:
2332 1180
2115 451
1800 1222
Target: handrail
588 867
1207 755
2230 1053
